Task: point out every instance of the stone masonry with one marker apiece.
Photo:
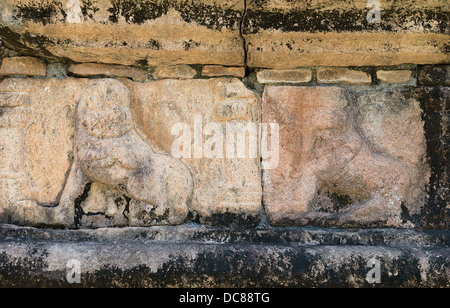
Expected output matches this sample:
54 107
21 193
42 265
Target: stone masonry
228 121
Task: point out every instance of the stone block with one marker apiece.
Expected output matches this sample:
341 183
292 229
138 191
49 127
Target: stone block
222 71
336 75
227 190
400 76
36 132
348 159
102 153
435 102
24 66
194 256
126 32
435 75
102 70
284 76
290 34
174 72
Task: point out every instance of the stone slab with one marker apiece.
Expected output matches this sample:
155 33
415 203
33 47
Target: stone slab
174 72
400 76
208 258
227 191
143 33
435 102
24 66
347 159
36 136
113 163
223 71
290 34
284 76
102 70
340 75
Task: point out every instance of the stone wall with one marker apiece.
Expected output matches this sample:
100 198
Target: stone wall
240 114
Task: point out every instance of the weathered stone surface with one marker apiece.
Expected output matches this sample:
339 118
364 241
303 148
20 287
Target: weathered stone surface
207 257
25 66
6 52
435 75
222 71
227 191
115 169
174 72
57 70
36 137
435 102
335 75
284 76
400 76
95 70
348 159
127 32
290 34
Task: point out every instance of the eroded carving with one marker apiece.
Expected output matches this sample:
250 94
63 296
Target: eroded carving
111 152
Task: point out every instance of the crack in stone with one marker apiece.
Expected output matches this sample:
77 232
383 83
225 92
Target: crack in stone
244 41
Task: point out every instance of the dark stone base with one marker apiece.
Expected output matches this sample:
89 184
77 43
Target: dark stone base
198 256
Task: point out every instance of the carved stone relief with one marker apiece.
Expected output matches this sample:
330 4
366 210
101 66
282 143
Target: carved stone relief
349 159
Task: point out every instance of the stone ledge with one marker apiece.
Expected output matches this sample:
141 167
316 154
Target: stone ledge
136 258
174 72
342 75
95 69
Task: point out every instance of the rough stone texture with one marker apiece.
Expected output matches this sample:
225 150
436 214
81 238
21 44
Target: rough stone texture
36 137
435 102
25 66
222 71
401 76
227 191
102 70
127 32
435 75
284 76
6 52
205 257
348 159
115 163
335 75
290 34
174 72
